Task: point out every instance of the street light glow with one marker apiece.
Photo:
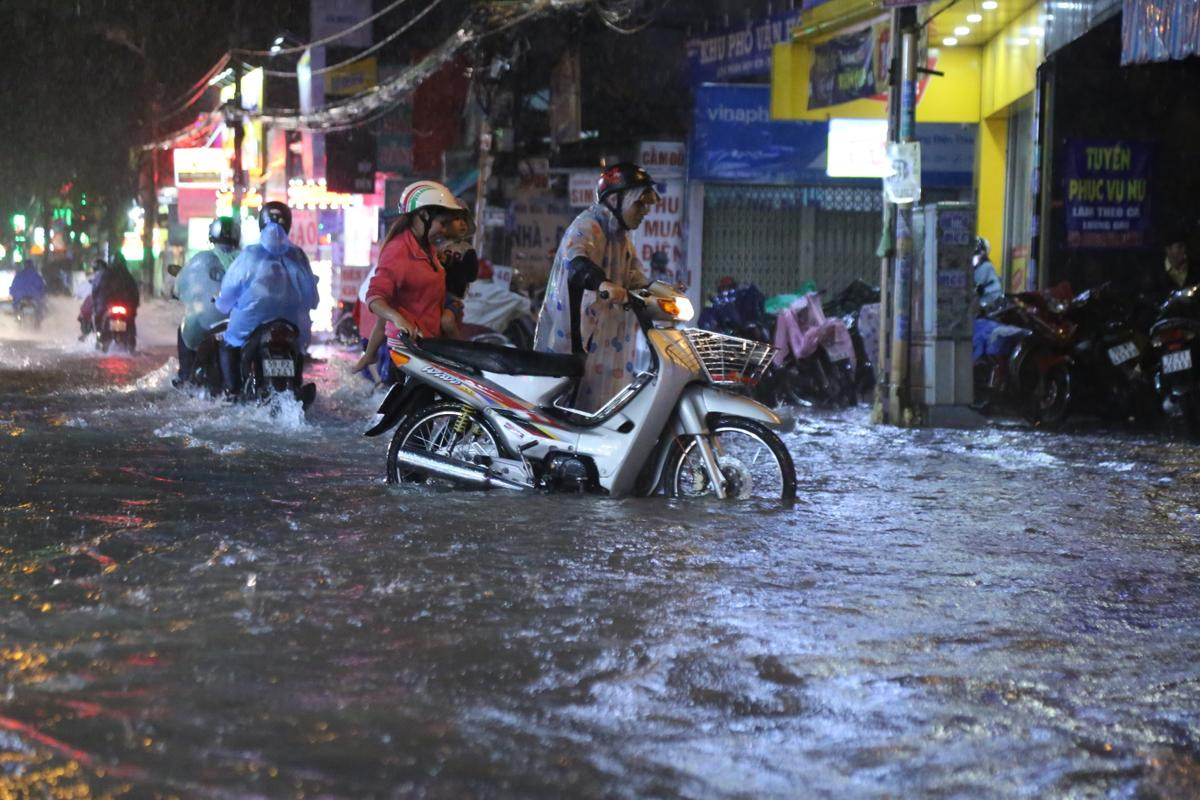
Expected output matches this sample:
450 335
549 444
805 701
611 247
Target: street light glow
962 30
989 5
974 17
949 41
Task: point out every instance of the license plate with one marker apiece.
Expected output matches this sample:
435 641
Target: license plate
116 325
1122 352
278 368
1177 361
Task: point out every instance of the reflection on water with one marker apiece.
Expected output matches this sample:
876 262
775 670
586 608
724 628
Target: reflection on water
208 601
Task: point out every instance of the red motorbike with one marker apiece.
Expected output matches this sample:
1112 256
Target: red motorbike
1034 379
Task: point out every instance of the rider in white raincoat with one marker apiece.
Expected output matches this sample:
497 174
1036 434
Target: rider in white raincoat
595 260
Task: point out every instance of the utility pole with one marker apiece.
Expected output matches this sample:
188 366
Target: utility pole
148 179
239 131
905 37
485 174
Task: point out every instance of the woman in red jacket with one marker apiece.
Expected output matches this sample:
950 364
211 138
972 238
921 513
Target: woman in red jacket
407 287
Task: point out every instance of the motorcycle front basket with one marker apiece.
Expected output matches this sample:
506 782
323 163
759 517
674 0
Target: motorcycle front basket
727 360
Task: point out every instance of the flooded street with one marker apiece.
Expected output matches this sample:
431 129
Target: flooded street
206 601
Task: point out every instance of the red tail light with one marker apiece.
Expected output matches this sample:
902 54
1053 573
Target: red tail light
117 310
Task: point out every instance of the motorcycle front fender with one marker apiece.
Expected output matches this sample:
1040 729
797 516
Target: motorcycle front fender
698 405
709 401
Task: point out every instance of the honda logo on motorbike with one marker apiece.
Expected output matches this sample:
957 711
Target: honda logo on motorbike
442 376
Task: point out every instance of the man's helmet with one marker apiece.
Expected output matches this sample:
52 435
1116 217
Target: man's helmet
620 177
224 230
982 248
428 194
275 211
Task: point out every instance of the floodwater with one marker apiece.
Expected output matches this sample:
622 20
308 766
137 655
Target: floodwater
204 601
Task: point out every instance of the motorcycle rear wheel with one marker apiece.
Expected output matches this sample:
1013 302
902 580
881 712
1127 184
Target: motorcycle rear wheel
432 429
754 460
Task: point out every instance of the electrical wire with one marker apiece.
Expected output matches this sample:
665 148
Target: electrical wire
282 51
368 106
611 18
359 56
197 89
203 125
352 111
939 12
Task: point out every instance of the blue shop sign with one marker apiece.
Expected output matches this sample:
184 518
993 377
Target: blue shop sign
739 52
735 140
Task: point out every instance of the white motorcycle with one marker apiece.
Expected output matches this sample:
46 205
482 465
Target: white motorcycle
491 416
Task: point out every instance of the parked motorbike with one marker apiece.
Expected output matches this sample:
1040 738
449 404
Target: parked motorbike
1107 354
1034 378
489 416
494 313
816 355
272 362
739 312
1174 356
857 306
117 326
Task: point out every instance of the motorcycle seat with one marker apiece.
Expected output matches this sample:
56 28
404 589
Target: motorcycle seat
504 360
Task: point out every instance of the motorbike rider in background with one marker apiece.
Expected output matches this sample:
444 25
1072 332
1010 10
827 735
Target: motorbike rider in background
29 285
115 284
197 284
987 282
87 298
267 281
594 267
461 262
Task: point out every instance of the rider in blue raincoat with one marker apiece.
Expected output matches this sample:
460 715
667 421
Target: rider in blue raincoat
28 284
197 286
267 281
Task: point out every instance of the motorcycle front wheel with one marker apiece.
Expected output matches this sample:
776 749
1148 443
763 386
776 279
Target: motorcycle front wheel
443 430
1050 401
753 460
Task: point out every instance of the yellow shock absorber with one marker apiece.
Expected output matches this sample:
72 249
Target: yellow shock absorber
464 421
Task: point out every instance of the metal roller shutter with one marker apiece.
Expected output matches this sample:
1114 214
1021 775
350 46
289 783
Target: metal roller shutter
778 237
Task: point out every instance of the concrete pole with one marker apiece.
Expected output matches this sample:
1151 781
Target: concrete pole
887 249
899 407
485 174
239 131
239 138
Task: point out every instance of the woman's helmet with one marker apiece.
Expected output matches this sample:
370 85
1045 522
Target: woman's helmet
275 211
427 194
224 230
982 247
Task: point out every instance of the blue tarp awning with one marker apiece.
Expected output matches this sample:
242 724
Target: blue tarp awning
1159 30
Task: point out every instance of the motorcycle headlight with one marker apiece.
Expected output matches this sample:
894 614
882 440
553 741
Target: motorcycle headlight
678 307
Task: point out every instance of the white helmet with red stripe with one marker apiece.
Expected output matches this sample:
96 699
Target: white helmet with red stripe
427 194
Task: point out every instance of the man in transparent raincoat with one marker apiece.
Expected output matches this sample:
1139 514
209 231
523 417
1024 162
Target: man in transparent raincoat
594 267
197 287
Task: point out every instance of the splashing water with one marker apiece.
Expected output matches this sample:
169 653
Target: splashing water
215 600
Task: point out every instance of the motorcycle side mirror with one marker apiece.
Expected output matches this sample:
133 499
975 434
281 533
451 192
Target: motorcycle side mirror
174 270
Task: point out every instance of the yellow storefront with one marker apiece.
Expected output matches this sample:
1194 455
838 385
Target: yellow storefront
988 52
